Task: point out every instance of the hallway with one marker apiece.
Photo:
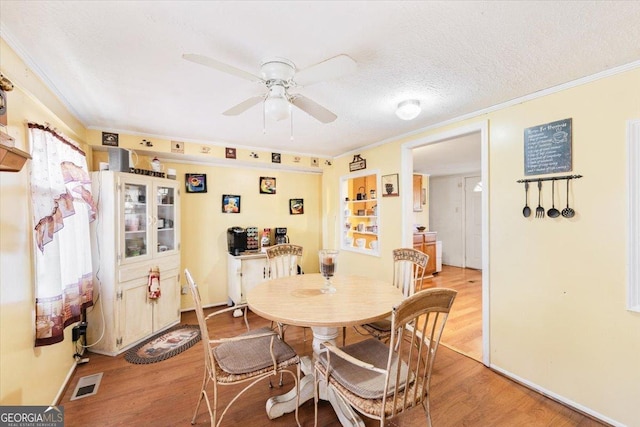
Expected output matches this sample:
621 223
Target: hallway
463 332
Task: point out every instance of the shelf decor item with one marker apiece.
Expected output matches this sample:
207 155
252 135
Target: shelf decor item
390 185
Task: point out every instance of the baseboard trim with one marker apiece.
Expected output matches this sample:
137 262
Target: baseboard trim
215 304
560 399
64 385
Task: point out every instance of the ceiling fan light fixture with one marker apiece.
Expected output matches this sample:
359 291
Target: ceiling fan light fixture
276 108
408 109
276 105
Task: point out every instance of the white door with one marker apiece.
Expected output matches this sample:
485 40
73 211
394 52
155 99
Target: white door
254 271
473 222
135 314
166 309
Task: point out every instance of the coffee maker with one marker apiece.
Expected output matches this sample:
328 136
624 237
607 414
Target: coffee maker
281 235
236 240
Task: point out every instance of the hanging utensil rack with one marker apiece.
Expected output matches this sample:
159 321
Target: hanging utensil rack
567 212
551 178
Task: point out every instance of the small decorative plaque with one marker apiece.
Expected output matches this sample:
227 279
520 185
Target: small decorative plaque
357 164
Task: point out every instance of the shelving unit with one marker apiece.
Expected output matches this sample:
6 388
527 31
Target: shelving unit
360 212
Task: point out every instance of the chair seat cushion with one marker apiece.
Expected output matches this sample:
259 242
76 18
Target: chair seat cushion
241 357
360 381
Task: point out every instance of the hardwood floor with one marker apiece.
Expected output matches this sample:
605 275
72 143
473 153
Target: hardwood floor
463 332
464 393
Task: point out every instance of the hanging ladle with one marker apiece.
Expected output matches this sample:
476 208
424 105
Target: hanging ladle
568 212
527 210
553 212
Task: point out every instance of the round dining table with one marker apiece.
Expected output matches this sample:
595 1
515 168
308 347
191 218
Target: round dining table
299 301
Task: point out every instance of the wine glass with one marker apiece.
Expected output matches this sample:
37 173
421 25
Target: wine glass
328 260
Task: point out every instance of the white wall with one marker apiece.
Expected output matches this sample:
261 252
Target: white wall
446 216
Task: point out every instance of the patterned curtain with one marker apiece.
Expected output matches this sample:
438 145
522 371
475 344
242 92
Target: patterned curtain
62 210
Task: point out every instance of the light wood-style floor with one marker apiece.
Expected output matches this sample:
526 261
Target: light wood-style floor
463 332
463 393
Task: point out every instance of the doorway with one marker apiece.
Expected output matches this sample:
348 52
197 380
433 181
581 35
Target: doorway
477 243
473 222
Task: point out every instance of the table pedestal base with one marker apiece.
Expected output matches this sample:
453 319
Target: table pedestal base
279 405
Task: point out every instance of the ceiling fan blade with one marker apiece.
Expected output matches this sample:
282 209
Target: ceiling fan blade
313 109
243 106
220 66
331 68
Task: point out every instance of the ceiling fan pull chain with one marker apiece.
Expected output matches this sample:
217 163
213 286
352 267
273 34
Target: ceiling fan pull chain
291 123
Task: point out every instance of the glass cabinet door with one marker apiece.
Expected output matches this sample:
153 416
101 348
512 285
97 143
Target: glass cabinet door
136 220
166 196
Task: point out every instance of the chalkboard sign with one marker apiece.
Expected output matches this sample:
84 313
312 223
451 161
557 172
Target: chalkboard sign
547 148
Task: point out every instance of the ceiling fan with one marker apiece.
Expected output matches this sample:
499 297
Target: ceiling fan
279 75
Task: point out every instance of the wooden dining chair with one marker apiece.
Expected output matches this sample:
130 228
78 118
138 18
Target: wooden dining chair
249 357
409 266
283 261
382 380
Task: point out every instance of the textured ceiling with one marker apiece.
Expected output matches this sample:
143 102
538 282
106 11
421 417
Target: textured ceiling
118 65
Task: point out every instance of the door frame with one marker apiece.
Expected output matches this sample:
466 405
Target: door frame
406 165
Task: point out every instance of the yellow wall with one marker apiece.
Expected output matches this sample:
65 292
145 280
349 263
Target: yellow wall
28 375
204 226
557 287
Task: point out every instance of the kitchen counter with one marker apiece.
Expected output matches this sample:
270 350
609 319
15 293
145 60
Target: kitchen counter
425 241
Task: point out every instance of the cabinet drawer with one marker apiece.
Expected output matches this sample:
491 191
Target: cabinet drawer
430 237
418 239
141 269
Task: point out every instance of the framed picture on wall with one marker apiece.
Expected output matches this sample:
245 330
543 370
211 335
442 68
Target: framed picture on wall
390 185
267 185
195 182
230 203
296 206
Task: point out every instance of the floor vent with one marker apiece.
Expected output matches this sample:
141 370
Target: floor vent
87 386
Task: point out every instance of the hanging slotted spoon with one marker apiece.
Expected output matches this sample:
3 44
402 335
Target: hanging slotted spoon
526 211
553 212
568 212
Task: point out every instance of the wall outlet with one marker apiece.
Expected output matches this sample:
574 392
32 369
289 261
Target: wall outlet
184 290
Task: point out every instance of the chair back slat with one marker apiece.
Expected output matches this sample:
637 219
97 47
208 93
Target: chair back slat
283 260
417 326
409 266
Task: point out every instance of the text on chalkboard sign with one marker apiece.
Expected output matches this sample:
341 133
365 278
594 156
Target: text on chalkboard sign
547 148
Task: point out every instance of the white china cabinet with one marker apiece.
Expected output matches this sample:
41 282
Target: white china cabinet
137 230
